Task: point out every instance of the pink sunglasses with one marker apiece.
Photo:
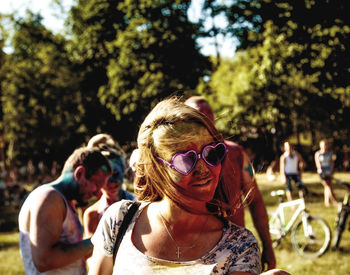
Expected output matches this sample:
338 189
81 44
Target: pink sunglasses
184 163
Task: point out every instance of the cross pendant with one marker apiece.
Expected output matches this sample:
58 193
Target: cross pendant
178 253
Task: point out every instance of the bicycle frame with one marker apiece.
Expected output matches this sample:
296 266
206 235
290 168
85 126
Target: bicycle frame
280 212
310 235
342 216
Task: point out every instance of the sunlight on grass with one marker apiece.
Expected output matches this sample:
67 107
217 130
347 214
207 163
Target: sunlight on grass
11 262
332 262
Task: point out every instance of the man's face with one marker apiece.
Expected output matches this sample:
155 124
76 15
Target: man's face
90 187
324 146
116 179
288 148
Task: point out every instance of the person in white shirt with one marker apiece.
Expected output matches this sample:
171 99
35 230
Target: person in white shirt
291 166
50 232
181 226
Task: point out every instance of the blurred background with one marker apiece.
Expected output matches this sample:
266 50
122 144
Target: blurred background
271 70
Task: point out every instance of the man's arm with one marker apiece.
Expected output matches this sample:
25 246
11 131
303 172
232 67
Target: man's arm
301 163
258 212
46 222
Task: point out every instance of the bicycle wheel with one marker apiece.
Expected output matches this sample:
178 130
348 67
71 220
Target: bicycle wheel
340 226
313 243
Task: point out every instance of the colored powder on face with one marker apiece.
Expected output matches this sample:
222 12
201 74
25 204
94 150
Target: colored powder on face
118 170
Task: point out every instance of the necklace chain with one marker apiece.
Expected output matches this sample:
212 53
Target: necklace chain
173 239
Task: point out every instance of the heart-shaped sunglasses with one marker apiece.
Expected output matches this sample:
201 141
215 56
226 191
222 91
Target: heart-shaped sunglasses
185 162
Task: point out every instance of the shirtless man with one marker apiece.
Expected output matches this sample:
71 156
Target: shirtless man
50 232
237 169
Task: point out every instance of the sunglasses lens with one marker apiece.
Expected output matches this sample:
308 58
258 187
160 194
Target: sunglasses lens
214 154
184 162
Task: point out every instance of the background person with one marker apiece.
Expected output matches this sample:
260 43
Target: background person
50 234
179 227
291 166
102 140
324 161
111 192
238 173
105 139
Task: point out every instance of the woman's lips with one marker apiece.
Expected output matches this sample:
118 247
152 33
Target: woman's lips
202 183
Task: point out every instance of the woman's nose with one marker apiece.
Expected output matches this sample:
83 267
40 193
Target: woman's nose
200 168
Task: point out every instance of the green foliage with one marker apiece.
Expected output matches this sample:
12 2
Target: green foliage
39 101
157 57
119 58
292 72
261 88
130 55
9 251
93 24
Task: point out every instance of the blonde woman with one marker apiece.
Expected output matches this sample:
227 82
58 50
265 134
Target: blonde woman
180 226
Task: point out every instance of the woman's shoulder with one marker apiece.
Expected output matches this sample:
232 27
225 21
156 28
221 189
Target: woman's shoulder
237 232
118 210
237 249
110 223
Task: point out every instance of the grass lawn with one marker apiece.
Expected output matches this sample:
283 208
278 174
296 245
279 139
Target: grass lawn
331 263
11 262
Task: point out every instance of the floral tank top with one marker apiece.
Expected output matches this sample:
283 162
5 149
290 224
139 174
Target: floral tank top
237 250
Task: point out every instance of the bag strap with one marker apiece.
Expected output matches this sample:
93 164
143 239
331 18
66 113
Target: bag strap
122 229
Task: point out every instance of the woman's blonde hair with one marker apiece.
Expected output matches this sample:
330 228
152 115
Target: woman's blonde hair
169 125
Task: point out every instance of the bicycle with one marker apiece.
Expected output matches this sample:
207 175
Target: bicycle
342 216
310 235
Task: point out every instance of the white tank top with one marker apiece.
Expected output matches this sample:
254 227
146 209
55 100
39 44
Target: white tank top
291 163
71 233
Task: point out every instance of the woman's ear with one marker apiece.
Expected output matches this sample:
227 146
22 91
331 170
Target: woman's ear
79 172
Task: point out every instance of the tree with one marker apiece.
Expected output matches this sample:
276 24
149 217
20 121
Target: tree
148 49
39 99
311 89
262 89
93 24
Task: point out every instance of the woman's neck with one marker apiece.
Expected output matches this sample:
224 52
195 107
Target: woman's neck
177 217
181 225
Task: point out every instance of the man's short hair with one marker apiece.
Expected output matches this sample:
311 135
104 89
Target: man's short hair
90 158
202 105
102 140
